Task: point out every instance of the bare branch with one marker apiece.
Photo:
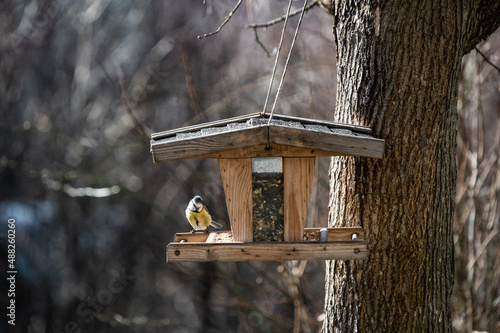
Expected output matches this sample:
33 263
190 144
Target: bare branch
257 40
124 99
193 97
487 60
228 17
282 18
137 124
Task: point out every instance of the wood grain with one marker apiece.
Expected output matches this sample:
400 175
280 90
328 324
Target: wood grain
234 137
169 150
236 177
342 144
298 176
269 251
190 237
271 150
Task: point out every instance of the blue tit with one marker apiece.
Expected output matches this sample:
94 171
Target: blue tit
198 216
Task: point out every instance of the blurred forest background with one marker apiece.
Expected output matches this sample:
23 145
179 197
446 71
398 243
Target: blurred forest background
94 214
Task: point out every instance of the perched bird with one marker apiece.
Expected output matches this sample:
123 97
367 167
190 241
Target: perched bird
198 216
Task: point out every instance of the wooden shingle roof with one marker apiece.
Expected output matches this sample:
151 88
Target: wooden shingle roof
253 136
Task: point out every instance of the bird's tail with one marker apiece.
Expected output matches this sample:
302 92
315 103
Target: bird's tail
216 225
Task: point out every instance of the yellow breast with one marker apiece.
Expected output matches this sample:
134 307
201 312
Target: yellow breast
199 221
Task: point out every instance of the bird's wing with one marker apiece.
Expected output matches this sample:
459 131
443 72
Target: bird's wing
190 217
216 225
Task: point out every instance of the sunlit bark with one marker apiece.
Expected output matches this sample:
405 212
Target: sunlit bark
398 67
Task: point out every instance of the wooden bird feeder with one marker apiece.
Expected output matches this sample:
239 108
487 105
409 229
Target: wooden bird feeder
267 170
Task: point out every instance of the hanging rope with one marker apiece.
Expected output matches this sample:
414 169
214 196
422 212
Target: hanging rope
287 61
285 17
277 57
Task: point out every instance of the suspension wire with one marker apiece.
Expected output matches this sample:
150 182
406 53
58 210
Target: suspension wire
277 57
287 61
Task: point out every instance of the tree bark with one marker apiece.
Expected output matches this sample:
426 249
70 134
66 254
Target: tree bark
398 65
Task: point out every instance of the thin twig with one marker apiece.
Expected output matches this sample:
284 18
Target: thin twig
117 89
228 17
257 40
484 244
288 60
138 126
277 57
123 96
279 19
487 60
193 97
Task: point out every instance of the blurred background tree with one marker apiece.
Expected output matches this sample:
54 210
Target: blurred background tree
84 83
476 296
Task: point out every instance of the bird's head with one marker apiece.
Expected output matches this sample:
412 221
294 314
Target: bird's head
197 203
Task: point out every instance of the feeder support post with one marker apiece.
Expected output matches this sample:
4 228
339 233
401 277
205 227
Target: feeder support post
236 174
298 178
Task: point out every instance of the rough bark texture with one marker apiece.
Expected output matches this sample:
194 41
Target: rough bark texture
398 67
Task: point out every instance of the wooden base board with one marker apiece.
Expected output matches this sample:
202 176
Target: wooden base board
201 247
334 234
276 251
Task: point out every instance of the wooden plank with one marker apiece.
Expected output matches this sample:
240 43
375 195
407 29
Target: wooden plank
266 251
265 150
200 237
340 234
190 237
236 177
221 139
334 234
169 150
335 142
298 176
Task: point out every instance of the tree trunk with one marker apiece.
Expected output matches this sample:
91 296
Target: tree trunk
398 67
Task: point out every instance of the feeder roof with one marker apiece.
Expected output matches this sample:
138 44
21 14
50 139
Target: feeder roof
253 136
